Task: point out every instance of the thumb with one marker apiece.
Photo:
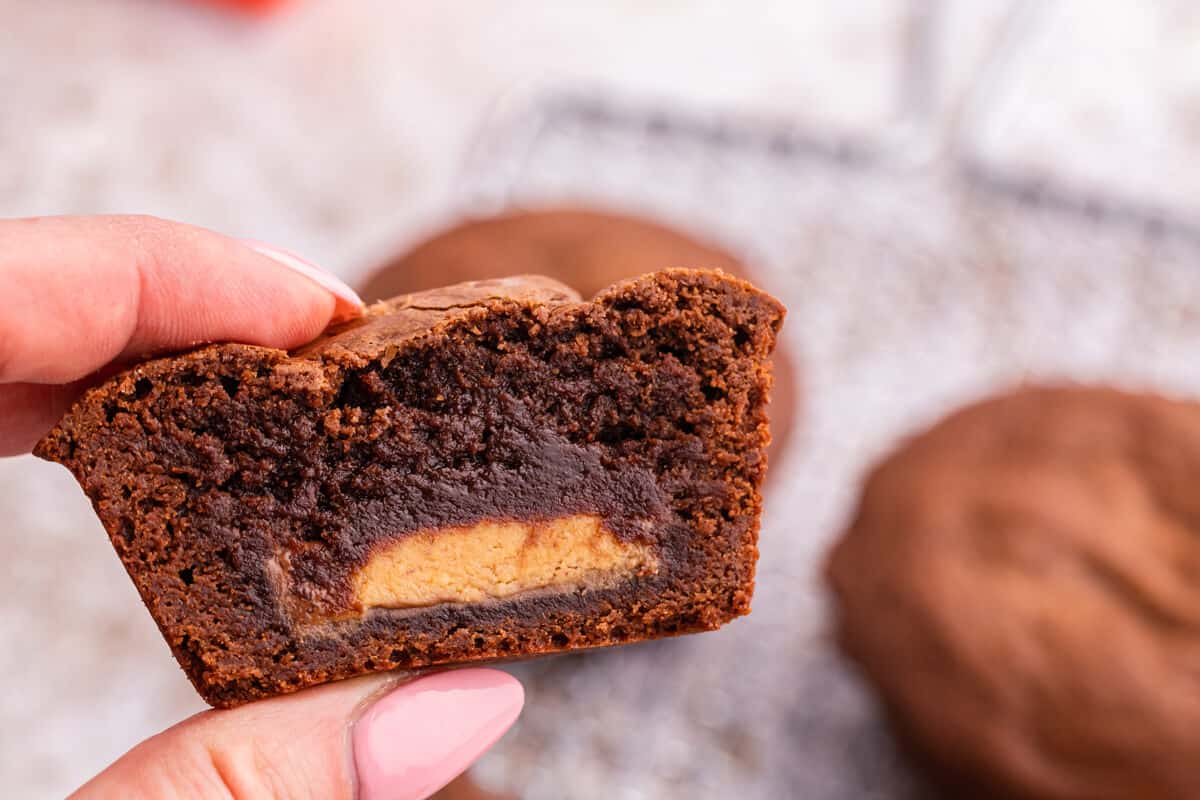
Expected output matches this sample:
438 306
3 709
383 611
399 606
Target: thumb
364 738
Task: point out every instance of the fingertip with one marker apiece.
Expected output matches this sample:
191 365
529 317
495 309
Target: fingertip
421 735
348 304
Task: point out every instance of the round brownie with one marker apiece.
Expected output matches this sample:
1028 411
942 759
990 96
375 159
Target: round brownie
1022 585
585 249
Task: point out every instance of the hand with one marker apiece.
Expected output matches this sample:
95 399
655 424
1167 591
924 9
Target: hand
83 296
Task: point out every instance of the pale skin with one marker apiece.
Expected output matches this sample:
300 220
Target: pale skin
85 296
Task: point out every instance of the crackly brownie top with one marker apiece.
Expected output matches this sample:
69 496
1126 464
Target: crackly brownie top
389 323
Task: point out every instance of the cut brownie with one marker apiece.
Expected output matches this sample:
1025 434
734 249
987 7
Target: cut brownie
491 470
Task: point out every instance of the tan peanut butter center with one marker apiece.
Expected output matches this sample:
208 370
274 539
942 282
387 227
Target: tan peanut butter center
495 560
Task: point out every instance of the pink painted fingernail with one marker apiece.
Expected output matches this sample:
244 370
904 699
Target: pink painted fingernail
419 737
349 304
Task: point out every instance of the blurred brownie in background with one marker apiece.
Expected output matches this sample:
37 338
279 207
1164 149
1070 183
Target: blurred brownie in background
1019 584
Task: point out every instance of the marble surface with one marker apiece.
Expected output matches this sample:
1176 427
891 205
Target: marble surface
949 201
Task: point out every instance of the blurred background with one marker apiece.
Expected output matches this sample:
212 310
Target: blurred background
950 198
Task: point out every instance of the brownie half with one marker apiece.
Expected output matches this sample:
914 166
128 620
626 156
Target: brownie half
492 470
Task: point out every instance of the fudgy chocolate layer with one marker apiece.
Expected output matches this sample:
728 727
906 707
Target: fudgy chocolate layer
243 487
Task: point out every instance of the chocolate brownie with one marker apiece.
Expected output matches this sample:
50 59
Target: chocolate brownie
1020 584
492 470
587 249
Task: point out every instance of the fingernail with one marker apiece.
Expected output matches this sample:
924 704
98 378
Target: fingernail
349 304
419 737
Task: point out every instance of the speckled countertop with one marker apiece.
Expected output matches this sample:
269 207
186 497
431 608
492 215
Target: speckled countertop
949 201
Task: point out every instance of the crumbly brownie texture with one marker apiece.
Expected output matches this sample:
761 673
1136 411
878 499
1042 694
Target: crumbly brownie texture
491 470
1020 584
588 250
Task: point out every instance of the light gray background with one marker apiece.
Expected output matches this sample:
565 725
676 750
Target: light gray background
927 271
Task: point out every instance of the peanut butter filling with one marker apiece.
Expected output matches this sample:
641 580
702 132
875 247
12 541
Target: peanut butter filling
492 560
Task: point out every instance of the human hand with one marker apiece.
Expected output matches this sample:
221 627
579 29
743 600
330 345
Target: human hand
84 296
